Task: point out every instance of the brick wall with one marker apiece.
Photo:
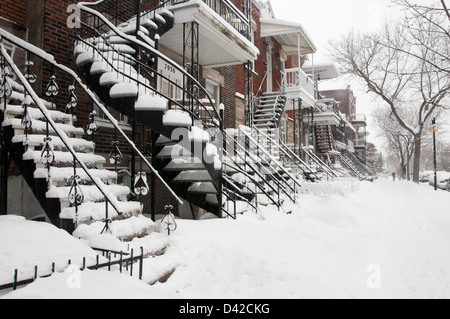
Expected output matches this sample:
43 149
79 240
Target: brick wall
14 10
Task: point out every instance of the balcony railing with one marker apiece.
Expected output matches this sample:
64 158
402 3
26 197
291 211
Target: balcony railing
360 142
359 118
240 20
296 78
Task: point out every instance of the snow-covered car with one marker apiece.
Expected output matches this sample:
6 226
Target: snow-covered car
442 178
424 177
448 185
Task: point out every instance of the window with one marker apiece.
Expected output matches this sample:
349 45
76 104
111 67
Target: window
172 82
122 119
213 90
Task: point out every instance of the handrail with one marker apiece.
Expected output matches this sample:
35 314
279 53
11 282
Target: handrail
84 6
264 151
350 168
255 182
319 162
61 134
50 59
288 152
357 162
281 92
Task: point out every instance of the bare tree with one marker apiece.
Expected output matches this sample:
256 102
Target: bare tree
406 65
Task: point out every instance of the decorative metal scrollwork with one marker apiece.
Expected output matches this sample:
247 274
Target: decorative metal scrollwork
29 75
52 88
76 196
47 154
73 100
92 127
168 222
5 86
26 121
140 184
115 157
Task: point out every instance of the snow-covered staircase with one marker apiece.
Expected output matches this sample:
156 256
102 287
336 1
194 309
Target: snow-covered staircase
355 165
120 68
324 139
269 110
53 184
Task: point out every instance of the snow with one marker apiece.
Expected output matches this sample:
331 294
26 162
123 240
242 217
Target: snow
122 90
150 102
353 246
177 118
26 244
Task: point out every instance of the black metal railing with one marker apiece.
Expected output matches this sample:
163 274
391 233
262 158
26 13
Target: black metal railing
75 197
94 25
239 20
110 260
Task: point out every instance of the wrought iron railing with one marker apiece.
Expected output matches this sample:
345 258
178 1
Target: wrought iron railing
240 20
94 26
92 128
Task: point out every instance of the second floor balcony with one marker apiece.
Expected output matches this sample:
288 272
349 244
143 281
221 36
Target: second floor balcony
297 81
221 34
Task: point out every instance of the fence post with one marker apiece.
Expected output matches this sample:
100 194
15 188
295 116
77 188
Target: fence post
131 263
15 279
141 263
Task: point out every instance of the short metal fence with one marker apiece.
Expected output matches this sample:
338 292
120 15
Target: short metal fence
125 261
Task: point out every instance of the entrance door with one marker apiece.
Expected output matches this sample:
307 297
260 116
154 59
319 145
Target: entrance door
269 79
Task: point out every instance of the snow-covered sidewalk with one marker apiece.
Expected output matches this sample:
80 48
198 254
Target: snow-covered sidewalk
386 240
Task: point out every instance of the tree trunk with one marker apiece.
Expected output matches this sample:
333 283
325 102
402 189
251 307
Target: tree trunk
417 153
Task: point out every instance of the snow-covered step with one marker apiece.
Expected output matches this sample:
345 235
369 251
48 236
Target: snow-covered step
173 152
63 174
124 230
37 140
120 48
202 188
125 67
90 192
193 176
124 90
15 111
151 102
182 164
63 159
177 118
40 127
97 211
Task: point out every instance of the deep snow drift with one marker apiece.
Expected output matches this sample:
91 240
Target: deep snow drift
386 240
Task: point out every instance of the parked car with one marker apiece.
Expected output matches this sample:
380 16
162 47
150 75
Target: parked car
424 177
442 180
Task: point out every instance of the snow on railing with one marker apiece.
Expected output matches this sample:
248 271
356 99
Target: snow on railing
213 119
50 59
297 78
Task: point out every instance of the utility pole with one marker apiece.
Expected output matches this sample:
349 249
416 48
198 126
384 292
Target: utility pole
434 128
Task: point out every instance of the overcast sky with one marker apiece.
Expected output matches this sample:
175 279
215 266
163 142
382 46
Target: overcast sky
325 20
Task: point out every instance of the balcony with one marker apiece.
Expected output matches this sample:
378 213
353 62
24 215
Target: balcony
359 119
220 25
342 142
360 143
300 85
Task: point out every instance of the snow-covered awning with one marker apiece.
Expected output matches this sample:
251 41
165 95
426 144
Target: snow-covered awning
288 35
321 71
347 123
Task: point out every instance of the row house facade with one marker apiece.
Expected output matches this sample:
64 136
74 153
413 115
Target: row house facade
116 109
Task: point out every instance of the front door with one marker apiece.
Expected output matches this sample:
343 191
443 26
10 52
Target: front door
269 79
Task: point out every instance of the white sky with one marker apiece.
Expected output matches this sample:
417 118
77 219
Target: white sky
325 20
